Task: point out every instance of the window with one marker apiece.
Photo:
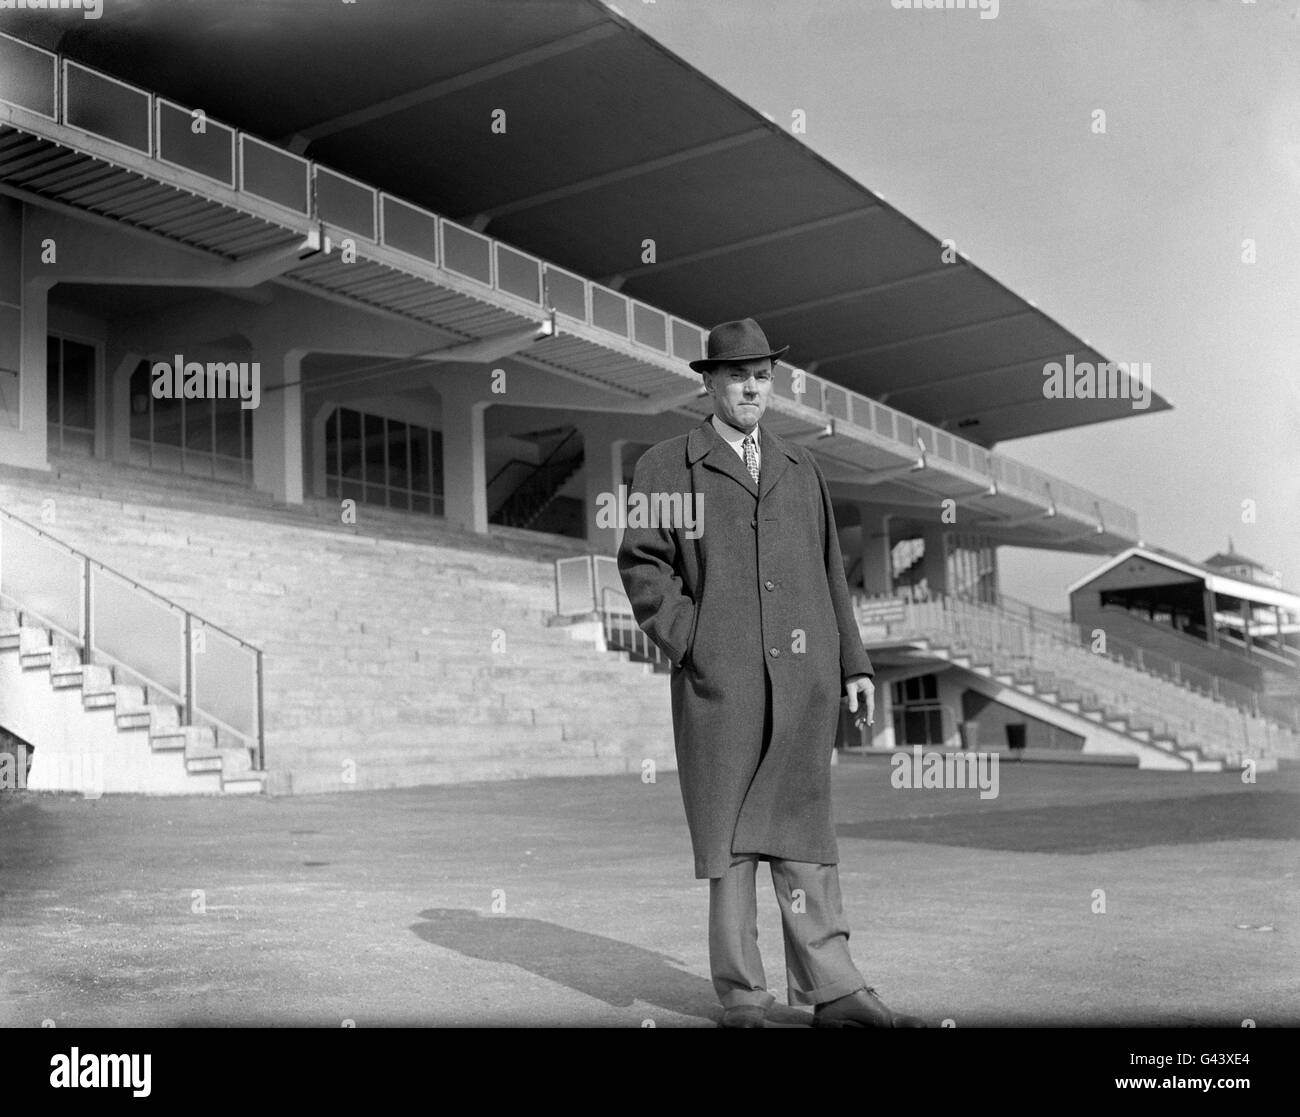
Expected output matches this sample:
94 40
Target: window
918 717
387 462
204 437
70 395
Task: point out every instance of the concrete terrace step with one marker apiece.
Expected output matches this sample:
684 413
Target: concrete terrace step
378 636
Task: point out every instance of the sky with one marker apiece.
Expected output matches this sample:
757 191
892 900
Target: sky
982 129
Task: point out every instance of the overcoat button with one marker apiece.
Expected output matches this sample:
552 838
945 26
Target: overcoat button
770 585
754 522
774 652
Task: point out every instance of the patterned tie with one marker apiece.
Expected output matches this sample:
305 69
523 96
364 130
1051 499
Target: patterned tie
751 457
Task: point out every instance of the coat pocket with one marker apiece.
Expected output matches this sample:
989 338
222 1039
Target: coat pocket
689 656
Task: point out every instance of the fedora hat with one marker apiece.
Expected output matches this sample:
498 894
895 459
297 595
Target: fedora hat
732 342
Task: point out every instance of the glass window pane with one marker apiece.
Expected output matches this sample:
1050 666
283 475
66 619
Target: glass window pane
398 475
350 446
167 420
331 462
420 460
198 423
436 437
227 434
140 400
373 426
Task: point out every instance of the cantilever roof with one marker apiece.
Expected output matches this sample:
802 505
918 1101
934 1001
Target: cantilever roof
1216 581
610 139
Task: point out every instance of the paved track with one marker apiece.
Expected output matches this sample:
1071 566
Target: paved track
376 907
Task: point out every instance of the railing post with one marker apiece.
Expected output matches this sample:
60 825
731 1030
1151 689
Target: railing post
87 610
261 728
189 669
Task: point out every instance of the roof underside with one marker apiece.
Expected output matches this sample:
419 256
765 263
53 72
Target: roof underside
610 140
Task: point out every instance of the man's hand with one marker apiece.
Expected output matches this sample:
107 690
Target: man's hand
861 684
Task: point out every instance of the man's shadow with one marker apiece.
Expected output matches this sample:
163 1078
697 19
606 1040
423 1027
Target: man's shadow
609 970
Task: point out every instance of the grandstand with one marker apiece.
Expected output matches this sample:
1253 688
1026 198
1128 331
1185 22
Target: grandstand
469 310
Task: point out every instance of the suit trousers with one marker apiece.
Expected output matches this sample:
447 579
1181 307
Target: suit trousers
817 963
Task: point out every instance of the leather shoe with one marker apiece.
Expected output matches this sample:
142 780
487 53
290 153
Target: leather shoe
862 1009
742 1016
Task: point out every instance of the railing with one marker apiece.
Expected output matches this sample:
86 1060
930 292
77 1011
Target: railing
46 88
1017 645
621 631
581 581
213 676
535 491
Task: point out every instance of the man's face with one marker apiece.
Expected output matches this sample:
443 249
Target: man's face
740 391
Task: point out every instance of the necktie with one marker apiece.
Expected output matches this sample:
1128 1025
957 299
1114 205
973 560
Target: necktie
751 457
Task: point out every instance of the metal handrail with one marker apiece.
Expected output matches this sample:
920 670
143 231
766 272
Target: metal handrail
640 644
84 640
1070 634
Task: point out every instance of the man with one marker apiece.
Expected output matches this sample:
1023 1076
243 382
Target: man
755 616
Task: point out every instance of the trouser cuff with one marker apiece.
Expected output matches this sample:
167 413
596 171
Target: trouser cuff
737 997
823 993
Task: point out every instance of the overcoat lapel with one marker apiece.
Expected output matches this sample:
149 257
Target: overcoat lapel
704 443
777 454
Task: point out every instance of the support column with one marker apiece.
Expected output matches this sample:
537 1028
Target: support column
882 732
602 467
877 560
115 425
1211 628
277 425
464 461
934 563
24 301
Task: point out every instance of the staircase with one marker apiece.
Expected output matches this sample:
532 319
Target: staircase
533 495
397 651
99 735
1165 724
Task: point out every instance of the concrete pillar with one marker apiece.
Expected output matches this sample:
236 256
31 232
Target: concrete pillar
464 463
24 300
277 425
602 467
882 731
934 563
316 484
113 425
877 562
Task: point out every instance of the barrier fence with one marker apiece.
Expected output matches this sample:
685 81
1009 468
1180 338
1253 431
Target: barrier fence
213 676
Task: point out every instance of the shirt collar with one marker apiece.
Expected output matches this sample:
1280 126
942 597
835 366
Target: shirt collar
732 436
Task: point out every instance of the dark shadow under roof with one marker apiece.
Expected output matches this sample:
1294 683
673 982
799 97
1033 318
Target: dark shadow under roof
610 140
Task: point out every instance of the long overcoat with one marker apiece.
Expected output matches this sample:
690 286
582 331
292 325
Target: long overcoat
757 604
